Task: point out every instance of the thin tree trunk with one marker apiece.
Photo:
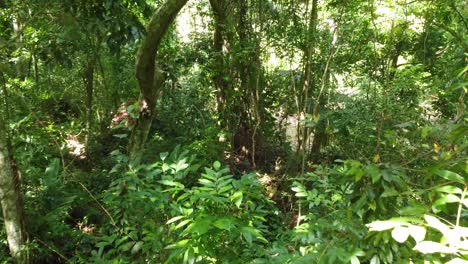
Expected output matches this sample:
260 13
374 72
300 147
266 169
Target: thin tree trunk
11 199
150 79
35 67
18 30
320 133
89 85
218 65
307 86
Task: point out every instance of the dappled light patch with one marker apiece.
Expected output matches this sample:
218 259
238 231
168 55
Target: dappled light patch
75 147
125 115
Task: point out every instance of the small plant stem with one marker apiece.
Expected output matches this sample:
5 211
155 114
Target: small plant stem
460 205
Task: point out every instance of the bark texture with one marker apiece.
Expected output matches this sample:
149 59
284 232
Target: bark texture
11 202
150 78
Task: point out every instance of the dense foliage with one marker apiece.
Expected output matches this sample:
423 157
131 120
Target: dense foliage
243 131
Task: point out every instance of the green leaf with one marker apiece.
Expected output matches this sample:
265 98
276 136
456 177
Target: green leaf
137 247
451 176
449 198
389 193
206 182
171 183
457 261
53 169
437 224
417 232
300 190
217 165
166 167
121 135
416 210
384 225
181 165
449 189
247 234
400 234
179 244
189 256
430 247
237 198
375 260
354 260
200 226
374 173
163 155
225 223
174 219
127 246
183 223
359 253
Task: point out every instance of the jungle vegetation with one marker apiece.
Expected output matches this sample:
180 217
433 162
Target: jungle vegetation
233 131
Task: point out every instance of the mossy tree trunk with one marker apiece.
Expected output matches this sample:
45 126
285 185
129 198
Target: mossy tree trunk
11 199
150 78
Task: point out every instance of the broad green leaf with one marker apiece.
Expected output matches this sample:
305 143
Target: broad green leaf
237 198
298 189
437 224
217 165
430 247
448 198
457 261
137 247
171 183
127 246
451 176
389 193
200 226
248 237
374 173
163 155
206 182
416 210
359 253
189 256
180 244
181 165
166 167
400 234
417 232
449 189
53 169
183 223
301 194
354 260
384 225
174 219
225 223
375 260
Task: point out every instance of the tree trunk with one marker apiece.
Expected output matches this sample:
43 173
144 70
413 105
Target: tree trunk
320 132
150 79
88 75
11 200
219 68
18 33
308 84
